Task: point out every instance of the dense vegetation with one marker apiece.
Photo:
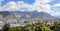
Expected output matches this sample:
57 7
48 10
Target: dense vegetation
33 27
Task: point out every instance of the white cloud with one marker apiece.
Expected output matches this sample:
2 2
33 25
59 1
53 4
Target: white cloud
56 5
44 1
9 6
38 5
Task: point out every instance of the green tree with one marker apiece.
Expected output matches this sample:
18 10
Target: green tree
6 27
15 28
55 27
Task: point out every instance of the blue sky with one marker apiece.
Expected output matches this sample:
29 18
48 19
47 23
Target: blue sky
55 2
29 1
53 7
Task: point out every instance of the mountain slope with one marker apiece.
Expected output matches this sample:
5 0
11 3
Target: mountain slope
4 13
29 17
33 14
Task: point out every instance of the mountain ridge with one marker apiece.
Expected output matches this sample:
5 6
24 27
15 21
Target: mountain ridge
32 14
29 17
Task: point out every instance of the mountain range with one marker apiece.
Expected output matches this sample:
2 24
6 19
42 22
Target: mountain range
21 18
27 15
33 14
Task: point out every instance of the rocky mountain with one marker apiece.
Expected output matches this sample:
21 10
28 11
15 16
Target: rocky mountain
33 14
26 17
4 13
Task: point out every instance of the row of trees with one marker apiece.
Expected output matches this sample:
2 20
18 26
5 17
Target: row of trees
33 27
